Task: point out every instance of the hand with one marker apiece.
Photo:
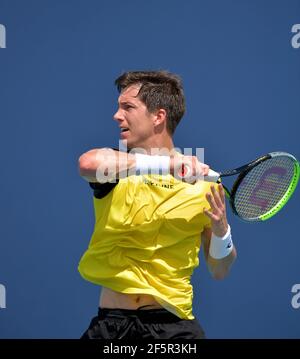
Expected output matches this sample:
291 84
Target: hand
188 168
217 214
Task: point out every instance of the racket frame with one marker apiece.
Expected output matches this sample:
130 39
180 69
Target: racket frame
243 171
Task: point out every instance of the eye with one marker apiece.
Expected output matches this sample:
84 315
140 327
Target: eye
128 107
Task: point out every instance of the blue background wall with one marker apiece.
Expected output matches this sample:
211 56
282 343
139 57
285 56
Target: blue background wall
241 78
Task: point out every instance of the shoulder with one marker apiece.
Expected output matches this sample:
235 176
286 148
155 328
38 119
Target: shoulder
102 189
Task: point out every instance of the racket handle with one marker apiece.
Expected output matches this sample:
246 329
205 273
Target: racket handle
212 176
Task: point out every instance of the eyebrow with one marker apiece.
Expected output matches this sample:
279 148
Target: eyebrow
126 103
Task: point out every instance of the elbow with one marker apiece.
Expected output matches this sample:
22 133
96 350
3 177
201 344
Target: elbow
86 163
220 274
221 270
83 165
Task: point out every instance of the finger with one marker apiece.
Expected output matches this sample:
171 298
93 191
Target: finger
201 168
204 169
222 193
211 215
217 197
212 203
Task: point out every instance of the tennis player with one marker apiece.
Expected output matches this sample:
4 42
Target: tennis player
149 222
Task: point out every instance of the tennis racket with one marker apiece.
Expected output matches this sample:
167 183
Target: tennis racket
263 186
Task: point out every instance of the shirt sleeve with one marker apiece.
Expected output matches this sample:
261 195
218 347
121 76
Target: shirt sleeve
102 189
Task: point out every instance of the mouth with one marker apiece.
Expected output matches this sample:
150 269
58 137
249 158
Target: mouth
124 132
124 129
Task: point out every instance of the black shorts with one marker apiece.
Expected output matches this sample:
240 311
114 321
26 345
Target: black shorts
141 324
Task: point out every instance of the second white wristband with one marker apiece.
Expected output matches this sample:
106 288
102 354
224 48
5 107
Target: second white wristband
221 247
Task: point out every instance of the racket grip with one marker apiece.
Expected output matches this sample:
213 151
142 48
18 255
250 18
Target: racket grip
212 176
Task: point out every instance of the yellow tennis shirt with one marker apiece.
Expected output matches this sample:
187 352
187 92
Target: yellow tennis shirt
146 239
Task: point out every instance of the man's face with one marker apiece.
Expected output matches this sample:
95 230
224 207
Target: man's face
135 121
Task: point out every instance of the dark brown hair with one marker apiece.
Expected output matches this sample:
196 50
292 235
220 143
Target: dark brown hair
159 89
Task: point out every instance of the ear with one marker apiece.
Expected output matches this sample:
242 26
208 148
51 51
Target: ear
160 117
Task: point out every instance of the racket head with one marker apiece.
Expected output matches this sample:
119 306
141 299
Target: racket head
265 187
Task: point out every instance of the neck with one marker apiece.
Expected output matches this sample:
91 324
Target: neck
155 145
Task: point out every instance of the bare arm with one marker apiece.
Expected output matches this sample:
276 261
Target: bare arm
106 164
100 162
219 268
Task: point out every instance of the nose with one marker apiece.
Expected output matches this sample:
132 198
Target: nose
118 115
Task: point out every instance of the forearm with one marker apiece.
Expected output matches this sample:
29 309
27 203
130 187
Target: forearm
98 164
105 164
219 268
219 256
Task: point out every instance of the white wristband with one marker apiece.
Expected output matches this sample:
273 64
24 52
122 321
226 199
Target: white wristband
146 164
221 247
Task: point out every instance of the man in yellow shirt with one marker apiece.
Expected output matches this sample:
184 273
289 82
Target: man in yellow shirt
153 210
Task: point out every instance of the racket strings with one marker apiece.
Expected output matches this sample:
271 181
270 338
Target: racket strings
263 187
